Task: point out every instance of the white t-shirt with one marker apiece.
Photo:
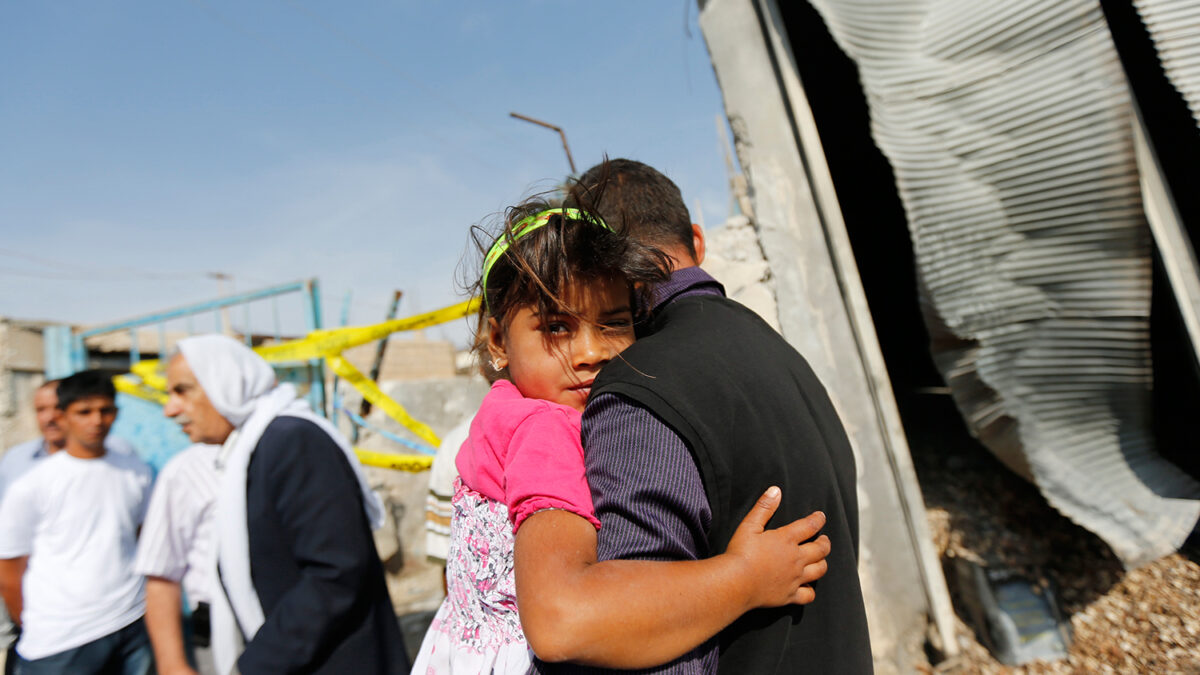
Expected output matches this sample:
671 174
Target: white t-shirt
77 521
20 458
178 541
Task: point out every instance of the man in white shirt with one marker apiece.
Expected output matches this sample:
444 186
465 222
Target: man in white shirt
177 555
67 543
21 458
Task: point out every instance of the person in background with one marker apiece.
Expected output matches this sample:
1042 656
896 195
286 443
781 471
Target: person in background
441 491
19 459
293 506
15 462
176 555
438 508
67 544
559 291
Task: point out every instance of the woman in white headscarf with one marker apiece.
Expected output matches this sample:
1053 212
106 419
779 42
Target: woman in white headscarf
296 559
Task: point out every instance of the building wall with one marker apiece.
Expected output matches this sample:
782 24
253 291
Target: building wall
822 312
406 358
20 374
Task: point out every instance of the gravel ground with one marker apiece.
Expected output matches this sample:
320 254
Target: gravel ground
1141 621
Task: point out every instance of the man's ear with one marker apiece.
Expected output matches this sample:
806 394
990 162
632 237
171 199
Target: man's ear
496 351
698 242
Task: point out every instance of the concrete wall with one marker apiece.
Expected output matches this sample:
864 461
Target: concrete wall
822 312
20 374
406 358
734 257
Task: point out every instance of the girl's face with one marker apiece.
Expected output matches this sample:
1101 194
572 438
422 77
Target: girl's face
557 360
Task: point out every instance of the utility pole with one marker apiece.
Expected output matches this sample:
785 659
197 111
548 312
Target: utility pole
561 134
377 364
222 291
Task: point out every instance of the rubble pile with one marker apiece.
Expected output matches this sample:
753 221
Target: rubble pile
1141 621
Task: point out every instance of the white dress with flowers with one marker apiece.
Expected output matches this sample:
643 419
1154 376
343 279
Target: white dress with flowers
477 628
522 456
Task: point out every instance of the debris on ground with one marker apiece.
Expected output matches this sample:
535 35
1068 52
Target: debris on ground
1145 620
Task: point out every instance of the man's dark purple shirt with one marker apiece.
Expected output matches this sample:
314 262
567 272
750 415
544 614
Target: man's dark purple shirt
646 487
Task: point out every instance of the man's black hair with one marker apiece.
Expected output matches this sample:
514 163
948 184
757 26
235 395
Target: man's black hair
636 200
83 384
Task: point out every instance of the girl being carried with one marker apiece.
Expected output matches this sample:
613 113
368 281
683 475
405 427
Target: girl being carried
560 298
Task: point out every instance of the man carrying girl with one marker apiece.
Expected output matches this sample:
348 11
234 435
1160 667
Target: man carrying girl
561 300
681 433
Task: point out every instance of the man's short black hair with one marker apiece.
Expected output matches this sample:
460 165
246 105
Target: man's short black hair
637 201
83 384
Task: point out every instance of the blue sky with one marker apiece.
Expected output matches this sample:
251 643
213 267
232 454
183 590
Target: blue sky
145 144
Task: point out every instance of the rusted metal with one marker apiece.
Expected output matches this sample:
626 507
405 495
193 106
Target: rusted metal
562 134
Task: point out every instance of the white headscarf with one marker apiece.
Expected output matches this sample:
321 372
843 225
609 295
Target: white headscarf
241 386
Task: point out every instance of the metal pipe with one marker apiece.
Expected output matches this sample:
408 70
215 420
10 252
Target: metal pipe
312 295
162 341
562 134
365 409
196 309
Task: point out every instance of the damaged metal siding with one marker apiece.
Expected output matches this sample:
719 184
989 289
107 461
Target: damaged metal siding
1009 128
1174 27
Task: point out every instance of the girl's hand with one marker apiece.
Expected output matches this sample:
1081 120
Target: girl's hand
777 565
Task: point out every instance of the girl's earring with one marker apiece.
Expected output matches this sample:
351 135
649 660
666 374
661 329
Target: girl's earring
497 366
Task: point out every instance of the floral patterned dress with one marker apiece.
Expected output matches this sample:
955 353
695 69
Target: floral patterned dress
522 456
477 629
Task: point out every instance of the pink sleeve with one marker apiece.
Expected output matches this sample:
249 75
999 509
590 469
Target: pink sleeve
544 468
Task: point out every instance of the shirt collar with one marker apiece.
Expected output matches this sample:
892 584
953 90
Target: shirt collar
686 282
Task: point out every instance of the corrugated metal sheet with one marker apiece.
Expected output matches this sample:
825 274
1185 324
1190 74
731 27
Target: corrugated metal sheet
1174 27
1008 126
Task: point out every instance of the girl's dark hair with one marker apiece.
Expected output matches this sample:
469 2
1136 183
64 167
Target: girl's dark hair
540 267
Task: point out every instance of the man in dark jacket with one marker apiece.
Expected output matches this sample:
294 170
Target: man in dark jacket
297 563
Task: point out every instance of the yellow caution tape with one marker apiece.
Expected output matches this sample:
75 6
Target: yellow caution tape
151 374
383 460
329 342
389 460
372 393
127 385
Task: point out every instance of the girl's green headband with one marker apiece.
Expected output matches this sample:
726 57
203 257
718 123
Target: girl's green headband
525 226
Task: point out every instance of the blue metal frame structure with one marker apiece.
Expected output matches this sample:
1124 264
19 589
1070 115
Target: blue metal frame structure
66 353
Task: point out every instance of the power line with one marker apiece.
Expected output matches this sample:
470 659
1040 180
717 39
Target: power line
46 275
74 271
